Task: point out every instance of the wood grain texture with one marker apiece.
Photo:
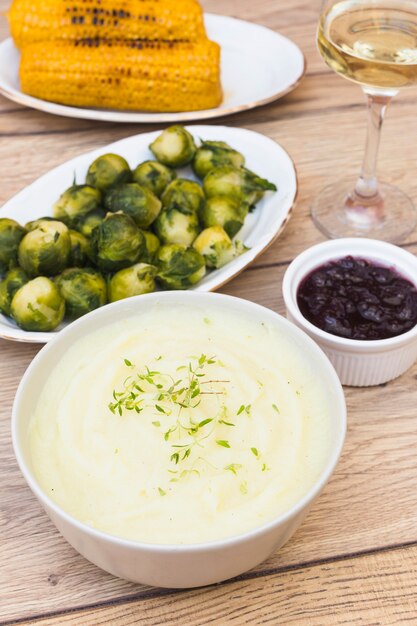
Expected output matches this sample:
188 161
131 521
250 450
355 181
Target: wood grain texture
371 502
374 590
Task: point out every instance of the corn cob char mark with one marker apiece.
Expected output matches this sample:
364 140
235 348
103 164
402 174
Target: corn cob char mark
32 21
129 75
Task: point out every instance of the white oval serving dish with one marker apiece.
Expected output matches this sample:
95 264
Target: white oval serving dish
261 228
258 66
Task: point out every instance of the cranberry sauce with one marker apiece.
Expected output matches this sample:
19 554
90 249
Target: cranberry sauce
358 299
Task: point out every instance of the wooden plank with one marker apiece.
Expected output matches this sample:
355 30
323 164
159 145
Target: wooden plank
370 502
374 590
318 95
302 100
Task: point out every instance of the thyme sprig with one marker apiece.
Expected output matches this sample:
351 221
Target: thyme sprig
176 399
165 395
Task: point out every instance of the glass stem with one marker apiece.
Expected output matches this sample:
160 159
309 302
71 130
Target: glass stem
367 184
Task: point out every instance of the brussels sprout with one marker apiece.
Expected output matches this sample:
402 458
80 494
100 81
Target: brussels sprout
80 249
82 289
173 226
174 147
11 234
179 267
213 154
225 212
138 202
35 223
152 245
153 175
185 195
107 171
257 196
14 279
45 250
215 245
76 202
38 305
132 281
237 183
117 243
86 224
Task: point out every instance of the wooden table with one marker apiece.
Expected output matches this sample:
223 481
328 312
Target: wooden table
354 560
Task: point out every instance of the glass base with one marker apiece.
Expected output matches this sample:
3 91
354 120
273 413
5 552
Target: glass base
388 215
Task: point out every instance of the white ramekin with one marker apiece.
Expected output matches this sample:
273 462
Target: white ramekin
358 363
175 566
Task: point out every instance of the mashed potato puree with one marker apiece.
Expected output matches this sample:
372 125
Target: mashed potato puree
265 445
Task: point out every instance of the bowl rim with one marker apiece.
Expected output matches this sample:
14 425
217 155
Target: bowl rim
339 415
314 256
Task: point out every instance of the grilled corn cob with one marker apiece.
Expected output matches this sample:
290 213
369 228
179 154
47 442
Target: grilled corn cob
135 75
42 20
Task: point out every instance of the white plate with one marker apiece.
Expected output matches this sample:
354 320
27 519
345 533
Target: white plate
258 66
261 227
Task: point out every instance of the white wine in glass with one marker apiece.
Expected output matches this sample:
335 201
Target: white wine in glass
373 43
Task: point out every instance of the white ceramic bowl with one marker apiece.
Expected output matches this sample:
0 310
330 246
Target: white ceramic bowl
172 565
358 363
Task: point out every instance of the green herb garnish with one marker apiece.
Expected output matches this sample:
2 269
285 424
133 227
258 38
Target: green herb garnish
177 402
233 467
226 423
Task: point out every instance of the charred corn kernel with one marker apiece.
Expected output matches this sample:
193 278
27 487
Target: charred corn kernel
136 75
42 20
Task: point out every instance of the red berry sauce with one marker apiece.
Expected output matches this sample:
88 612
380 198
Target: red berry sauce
357 298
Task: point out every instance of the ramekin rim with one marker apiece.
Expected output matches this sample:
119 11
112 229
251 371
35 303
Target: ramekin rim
355 345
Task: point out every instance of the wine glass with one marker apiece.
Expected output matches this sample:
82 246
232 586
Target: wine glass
372 43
